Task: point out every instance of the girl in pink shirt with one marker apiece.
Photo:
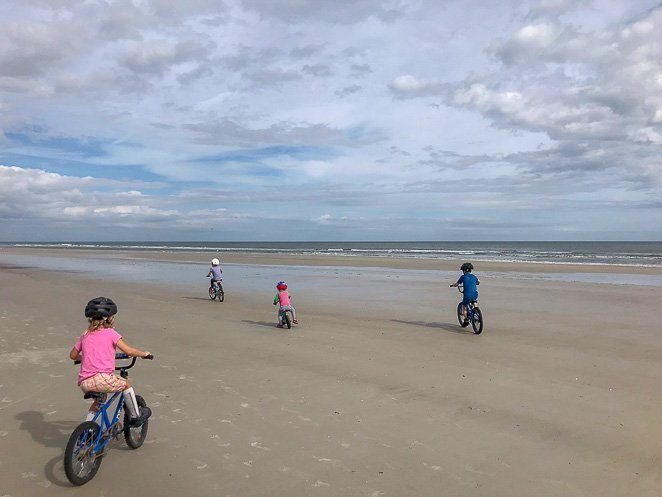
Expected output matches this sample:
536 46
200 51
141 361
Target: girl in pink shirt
282 298
96 350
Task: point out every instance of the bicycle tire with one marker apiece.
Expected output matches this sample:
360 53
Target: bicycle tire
221 296
460 318
288 321
477 321
135 435
212 293
89 432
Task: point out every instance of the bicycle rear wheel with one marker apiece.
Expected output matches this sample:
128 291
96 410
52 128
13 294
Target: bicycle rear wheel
477 321
220 294
287 320
80 461
460 318
212 293
135 435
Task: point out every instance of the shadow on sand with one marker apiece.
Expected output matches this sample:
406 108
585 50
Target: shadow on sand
453 328
261 323
49 434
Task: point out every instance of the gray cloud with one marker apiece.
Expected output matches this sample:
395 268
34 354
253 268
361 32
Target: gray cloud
227 132
330 11
317 70
157 58
268 76
348 90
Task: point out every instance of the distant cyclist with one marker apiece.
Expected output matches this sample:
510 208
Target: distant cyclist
470 283
96 350
215 272
282 299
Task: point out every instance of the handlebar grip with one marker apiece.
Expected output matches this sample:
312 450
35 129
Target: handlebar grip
150 357
77 361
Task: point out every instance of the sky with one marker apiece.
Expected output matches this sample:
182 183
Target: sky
334 120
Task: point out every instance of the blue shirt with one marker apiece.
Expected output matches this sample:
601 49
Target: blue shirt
216 273
470 283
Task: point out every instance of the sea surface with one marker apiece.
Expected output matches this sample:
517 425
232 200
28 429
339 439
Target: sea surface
642 254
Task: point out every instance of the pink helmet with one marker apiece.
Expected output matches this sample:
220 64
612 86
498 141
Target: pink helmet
281 285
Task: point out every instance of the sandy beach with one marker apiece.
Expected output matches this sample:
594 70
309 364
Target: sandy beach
378 392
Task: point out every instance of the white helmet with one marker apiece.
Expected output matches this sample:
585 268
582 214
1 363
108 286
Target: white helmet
215 262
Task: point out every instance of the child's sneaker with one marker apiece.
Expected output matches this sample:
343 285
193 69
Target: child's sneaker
279 326
296 321
145 413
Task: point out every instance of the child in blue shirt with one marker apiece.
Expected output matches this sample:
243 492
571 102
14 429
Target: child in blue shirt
470 283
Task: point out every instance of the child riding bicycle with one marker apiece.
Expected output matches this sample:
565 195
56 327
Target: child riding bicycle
96 350
215 272
470 283
282 299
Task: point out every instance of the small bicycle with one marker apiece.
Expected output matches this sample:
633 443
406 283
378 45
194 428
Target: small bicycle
89 441
216 291
286 317
474 314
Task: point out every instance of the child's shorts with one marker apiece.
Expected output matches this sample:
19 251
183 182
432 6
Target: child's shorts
103 382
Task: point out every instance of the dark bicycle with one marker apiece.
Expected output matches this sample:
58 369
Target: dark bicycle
88 443
474 314
286 317
216 291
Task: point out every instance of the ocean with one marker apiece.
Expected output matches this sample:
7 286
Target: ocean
643 254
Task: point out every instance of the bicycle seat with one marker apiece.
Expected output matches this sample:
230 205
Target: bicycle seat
95 395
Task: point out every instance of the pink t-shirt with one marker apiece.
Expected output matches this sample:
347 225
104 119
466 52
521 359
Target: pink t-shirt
98 349
284 298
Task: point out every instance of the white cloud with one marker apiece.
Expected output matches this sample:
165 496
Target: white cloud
348 103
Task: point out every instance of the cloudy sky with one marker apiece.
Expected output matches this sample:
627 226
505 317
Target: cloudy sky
330 120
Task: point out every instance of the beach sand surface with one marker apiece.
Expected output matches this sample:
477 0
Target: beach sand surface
378 392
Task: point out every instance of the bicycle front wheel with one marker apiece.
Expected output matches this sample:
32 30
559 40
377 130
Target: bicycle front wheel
477 321
135 435
80 461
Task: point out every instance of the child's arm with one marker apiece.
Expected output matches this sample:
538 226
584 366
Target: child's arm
276 299
74 355
130 351
208 274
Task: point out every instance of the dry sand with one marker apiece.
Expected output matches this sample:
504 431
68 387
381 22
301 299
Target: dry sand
560 396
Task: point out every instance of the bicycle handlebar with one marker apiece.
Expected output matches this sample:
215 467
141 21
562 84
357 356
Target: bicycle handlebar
124 356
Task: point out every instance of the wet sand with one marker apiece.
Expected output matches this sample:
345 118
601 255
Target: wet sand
369 396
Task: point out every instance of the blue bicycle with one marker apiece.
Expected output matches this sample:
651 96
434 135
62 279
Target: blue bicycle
474 315
89 441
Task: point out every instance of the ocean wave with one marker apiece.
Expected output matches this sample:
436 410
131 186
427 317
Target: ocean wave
606 253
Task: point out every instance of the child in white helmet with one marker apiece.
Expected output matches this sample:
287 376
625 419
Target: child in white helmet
215 272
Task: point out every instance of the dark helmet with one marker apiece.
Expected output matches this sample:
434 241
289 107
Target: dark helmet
466 267
101 307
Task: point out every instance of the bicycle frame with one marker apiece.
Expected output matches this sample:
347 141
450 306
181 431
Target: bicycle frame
470 306
101 417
